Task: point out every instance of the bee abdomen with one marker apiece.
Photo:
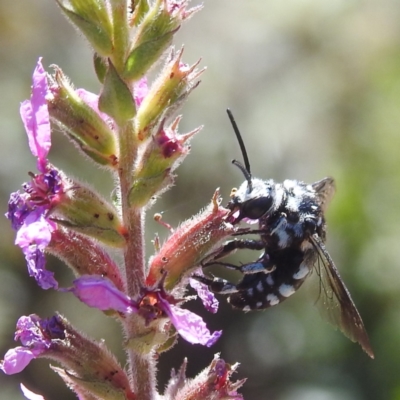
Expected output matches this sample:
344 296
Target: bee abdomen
260 291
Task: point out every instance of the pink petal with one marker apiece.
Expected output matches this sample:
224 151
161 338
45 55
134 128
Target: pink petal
206 296
36 229
35 116
92 100
98 292
191 327
15 360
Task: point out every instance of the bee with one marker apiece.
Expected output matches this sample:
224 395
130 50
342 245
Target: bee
291 233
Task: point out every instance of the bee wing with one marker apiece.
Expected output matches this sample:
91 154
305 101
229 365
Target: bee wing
336 300
325 189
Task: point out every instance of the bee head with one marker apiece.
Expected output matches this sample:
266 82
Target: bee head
252 200
255 197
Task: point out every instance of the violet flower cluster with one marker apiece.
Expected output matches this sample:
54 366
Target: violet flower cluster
130 130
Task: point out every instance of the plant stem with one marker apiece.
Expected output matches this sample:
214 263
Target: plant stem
141 366
133 218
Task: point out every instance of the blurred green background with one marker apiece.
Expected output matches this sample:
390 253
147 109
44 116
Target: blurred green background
315 88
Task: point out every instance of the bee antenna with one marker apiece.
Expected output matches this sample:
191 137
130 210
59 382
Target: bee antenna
240 140
246 168
245 172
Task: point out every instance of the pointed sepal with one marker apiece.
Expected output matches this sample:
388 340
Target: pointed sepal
154 171
213 383
166 94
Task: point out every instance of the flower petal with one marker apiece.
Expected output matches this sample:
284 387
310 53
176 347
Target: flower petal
33 237
98 292
207 297
35 116
36 229
18 209
191 327
92 100
15 360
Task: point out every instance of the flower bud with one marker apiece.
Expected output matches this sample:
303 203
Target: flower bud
212 383
153 37
91 366
81 122
163 153
146 188
190 243
175 83
92 18
83 210
156 27
84 256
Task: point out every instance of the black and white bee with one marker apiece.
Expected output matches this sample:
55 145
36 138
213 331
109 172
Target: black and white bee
291 232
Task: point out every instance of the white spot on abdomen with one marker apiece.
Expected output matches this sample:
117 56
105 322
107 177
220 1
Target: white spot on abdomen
286 290
270 281
302 272
272 299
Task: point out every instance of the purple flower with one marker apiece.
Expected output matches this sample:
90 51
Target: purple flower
206 296
189 325
18 209
28 211
35 116
98 292
101 293
33 237
36 336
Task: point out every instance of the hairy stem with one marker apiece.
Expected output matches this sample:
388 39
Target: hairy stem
141 367
132 217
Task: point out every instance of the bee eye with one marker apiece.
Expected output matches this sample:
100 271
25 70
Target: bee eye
254 209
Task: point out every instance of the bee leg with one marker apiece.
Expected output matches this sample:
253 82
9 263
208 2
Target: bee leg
230 248
217 285
263 265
